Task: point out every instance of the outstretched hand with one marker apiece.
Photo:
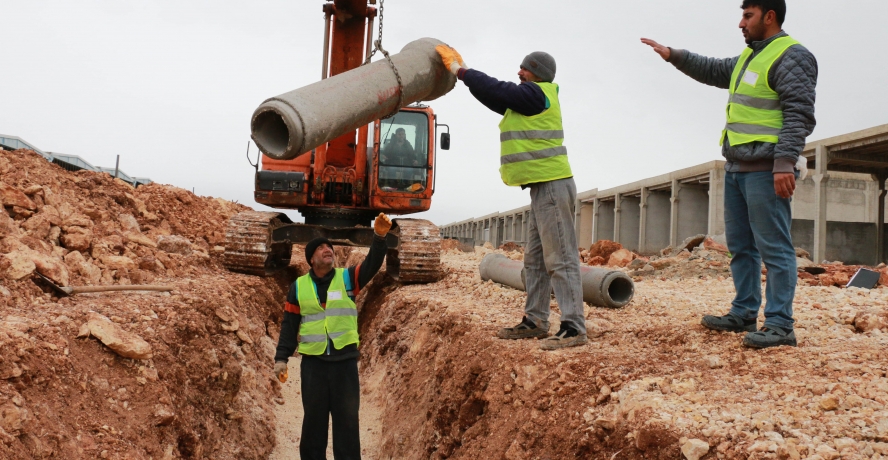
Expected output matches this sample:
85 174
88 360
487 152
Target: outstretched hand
451 58
382 224
663 51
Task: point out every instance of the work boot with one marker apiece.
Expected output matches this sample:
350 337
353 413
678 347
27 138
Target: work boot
729 322
526 329
770 337
566 337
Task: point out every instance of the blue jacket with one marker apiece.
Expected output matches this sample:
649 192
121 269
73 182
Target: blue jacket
527 98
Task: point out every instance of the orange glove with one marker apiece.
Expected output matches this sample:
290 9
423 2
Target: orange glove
280 369
452 60
382 225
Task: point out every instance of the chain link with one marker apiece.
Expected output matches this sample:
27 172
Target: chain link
377 46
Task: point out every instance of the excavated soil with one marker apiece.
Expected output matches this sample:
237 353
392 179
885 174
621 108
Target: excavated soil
650 381
205 391
436 382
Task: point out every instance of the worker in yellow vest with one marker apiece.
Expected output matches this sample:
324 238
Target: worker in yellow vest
321 324
533 156
770 112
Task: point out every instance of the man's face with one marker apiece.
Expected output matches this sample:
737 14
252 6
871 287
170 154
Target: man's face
322 257
753 25
526 75
400 136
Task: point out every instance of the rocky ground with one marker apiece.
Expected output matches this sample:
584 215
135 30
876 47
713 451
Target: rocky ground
181 374
187 374
652 383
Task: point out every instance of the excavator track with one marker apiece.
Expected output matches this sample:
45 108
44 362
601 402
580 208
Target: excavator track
248 244
417 258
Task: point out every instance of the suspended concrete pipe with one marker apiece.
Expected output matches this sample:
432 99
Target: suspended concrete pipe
293 123
601 287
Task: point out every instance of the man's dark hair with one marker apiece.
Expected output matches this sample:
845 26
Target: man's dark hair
778 6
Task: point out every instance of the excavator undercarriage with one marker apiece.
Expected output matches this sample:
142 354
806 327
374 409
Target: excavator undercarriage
260 243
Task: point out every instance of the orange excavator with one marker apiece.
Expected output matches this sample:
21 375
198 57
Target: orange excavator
342 150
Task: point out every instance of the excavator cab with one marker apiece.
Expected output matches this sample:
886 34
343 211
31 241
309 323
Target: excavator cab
403 164
404 160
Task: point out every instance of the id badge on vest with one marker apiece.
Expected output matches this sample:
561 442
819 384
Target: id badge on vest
335 295
750 78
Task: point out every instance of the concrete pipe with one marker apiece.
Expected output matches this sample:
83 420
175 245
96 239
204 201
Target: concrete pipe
293 123
601 287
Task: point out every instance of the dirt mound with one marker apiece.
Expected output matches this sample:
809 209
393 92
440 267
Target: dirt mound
511 247
447 243
603 249
205 391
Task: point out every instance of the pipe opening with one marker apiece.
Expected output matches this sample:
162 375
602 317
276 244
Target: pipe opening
620 290
271 134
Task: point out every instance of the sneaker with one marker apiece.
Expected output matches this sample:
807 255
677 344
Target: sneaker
729 322
526 329
770 337
566 337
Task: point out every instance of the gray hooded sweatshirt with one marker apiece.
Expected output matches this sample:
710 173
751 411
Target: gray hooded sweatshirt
793 76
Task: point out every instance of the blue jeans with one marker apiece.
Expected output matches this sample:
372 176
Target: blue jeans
757 226
551 258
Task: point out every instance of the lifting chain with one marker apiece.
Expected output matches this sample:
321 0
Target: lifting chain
377 46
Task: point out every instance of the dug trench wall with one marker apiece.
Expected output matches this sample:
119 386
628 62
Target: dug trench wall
202 388
652 383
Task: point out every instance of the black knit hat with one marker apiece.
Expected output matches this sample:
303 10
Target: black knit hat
313 245
541 64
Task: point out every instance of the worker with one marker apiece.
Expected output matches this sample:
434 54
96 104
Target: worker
399 152
533 157
771 87
321 323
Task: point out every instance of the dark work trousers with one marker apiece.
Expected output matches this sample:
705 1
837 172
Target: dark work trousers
330 388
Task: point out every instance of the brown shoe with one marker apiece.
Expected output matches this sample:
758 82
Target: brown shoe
566 337
526 329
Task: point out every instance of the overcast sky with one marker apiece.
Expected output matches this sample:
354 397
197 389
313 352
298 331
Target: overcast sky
170 85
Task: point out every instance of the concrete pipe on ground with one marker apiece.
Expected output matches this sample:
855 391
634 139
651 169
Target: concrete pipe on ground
601 287
293 123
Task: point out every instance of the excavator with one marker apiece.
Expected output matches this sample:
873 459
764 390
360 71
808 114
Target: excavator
340 151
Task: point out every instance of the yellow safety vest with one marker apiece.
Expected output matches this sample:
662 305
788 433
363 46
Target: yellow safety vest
339 321
754 112
531 147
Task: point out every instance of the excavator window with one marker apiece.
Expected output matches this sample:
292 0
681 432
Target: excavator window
404 155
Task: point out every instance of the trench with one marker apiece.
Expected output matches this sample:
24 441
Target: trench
435 384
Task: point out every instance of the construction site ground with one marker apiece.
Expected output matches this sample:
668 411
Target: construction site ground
188 374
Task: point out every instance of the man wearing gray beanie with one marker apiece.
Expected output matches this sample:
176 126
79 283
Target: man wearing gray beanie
533 156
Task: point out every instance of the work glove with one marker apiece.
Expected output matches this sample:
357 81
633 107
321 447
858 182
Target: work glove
802 166
280 370
452 60
382 225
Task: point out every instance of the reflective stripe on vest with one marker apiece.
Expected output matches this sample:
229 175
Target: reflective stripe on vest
754 112
531 148
338 322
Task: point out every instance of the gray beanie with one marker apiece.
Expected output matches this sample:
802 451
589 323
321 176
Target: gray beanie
541 64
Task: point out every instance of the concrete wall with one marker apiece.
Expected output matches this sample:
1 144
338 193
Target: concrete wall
605 221
630 218
850 197
693 211
584 224
664 210
656 227
850 242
